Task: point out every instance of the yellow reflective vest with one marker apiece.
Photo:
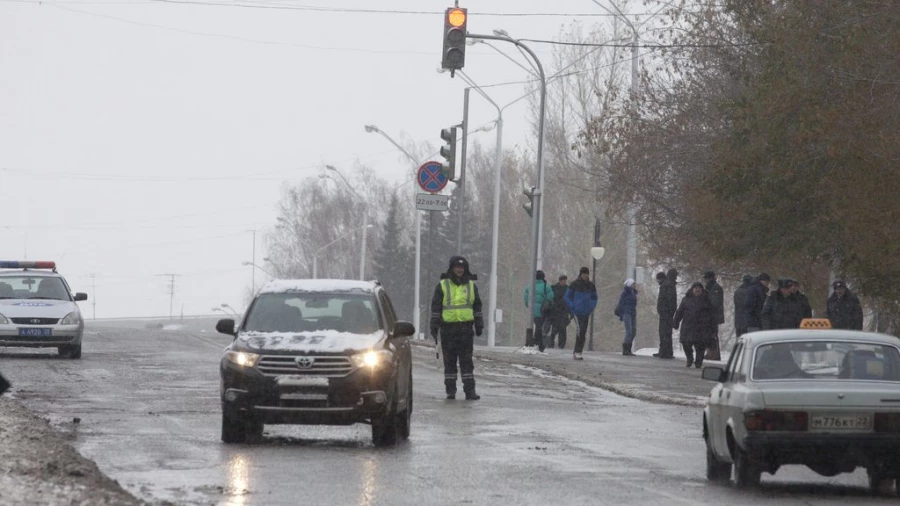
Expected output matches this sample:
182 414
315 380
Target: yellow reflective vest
458 300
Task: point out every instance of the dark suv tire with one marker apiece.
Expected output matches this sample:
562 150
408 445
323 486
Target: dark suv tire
386 428
235 429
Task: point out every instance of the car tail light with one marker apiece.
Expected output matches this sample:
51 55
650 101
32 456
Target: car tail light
887 422
776 420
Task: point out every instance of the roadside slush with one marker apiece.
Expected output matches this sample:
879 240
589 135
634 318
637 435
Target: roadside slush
39 466
639 377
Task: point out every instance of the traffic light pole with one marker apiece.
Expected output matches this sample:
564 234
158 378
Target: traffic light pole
462 173
538 192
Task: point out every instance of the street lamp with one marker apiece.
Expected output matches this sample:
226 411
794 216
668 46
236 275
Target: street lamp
245 263
224 306
316 254
362 248
537 193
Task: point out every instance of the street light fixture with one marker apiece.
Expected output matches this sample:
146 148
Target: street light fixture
362 248
316 254
245 263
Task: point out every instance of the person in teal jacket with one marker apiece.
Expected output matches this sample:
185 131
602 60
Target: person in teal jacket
542 292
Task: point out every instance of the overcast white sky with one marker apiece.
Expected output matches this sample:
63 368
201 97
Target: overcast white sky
140 137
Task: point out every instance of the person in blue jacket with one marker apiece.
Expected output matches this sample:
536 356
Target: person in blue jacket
626 310
581 299
543 302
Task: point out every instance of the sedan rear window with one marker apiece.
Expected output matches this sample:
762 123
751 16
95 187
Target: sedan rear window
834 360
302 312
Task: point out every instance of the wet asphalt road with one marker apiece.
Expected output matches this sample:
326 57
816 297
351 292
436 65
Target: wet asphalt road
149 414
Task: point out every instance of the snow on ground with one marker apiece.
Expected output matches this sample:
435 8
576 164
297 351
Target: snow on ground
38 466
679 353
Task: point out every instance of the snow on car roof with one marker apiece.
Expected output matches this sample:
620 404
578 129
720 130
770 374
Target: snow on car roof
771 336
317 285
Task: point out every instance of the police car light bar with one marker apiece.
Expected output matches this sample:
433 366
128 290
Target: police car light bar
6 264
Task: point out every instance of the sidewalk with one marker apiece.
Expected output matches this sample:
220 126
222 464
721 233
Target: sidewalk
640 377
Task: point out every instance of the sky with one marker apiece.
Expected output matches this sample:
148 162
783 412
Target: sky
145 138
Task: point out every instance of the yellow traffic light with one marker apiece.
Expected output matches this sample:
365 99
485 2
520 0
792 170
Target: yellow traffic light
456 17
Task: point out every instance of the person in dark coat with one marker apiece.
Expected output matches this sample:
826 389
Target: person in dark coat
626 310
717 297
843 308
743 308
696 316
801 298
559 315
666 305
782 309
757 301
456 313
581 299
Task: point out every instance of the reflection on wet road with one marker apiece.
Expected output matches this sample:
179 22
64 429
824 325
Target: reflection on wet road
149 409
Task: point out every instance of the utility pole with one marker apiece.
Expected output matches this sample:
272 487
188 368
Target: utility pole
171 290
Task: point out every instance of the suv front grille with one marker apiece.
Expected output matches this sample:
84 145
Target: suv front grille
327 366
35 321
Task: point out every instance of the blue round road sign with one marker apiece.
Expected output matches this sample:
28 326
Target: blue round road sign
430 177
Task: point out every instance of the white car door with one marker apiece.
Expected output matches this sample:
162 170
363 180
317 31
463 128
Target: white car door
719 400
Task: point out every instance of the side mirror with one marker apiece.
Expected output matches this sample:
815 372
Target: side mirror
404 329
714 374
80 297
225 326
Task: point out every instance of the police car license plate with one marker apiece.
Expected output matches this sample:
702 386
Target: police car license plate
33 332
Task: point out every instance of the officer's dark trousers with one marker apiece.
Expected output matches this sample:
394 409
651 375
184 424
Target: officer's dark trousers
665 335
457 345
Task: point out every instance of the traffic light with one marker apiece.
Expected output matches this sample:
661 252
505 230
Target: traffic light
448 151
529 206
454 56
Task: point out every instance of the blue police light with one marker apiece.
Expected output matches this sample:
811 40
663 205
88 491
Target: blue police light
27 264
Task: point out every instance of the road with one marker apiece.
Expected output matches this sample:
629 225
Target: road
147 400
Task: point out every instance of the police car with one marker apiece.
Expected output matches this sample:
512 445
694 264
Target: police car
38 309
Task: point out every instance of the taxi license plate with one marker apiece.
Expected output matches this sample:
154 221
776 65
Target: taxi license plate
33 332
840 422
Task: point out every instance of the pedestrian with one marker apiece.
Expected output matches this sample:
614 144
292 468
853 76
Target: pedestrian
456 313
666 305
782 310
696 316
543 304
717 297
843 308
4 384
626 310
581 299
560 315
801 298
757 301
743 305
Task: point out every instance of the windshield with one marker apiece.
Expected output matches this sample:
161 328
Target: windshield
33 287
303 312
827 360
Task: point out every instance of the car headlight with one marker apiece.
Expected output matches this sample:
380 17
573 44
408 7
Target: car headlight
73 318
371 359
242 358
3 320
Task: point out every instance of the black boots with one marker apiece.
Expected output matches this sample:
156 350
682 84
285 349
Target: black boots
472 396
451 395
626 350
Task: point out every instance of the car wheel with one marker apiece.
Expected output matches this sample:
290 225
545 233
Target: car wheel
404 419
70 351
254 429
746 473
716 471
881 485
234 428
385 427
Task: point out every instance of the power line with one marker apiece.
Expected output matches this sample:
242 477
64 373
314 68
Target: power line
652 46
171 290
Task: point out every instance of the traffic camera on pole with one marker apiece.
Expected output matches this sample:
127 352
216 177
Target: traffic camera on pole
454 56
448 151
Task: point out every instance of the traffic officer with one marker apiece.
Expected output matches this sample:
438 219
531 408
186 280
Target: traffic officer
456 312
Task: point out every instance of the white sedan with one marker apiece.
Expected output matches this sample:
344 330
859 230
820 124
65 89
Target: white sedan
826 399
